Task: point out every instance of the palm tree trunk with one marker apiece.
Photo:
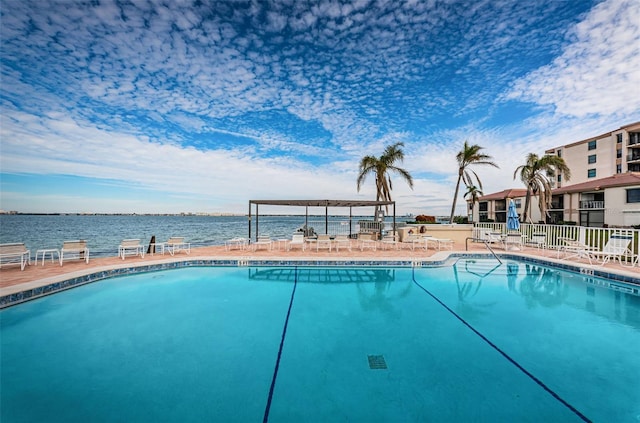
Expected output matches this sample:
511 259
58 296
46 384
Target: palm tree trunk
455 197
527 201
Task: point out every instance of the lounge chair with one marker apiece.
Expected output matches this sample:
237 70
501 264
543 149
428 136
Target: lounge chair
176 244
617 246
235 243
130 247
495 237
74 250
573 249
411 240
297 240
263 241
513 241
439 243
367 240
323 241
489 235
342 241
538 240
15 253
390 240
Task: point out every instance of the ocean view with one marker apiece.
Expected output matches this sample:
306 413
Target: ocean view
105 232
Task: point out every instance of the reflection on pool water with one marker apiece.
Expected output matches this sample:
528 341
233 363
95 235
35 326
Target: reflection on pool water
476 341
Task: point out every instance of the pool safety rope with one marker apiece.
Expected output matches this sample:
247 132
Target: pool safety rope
504 354
265 419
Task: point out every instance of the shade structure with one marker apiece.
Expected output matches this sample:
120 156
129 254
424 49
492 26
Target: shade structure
513 221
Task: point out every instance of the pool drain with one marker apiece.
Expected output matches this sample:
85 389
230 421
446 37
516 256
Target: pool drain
377 362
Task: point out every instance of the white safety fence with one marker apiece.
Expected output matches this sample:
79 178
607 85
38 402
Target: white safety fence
593 237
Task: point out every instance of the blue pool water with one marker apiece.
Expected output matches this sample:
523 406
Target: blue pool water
473 342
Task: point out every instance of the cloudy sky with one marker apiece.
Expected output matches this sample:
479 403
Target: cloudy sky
172 106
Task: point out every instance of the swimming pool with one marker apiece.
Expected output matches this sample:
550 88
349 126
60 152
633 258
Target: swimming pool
476 341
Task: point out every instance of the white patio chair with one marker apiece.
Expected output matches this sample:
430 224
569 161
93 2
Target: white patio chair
439 243
323 241
263 241
297 240
367 240
411 240
74 250
15 253
538 240
130 247
390 240
237 243
176 244
617 246
513 241
573 249
342 241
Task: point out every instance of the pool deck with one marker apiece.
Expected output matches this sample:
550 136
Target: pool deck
13 280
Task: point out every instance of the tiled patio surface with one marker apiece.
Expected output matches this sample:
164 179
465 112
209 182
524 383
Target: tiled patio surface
37 274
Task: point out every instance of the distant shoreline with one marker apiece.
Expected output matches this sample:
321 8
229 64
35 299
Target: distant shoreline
122 214
183 214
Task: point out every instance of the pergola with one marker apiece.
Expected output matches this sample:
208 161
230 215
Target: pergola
317 203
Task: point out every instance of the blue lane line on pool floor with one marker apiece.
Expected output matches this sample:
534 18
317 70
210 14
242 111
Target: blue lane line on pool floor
504 354
265 419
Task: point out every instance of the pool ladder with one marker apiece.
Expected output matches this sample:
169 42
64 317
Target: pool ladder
486 244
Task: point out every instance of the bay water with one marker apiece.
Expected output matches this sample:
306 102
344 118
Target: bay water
104 233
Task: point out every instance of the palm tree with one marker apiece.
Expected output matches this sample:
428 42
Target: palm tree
537 174
469 155
474 193
381 167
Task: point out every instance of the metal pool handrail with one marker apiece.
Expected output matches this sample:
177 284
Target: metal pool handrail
484 241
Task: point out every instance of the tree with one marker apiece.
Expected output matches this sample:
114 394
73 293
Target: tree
381 167
473 193
537 174
469 155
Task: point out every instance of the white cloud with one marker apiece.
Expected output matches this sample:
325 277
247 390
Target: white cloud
598 72
148 101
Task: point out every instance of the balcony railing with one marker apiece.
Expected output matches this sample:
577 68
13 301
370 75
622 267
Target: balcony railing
592 204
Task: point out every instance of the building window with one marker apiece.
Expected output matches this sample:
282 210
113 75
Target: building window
619 138
618 154
559 178
559 153
633 195
518 203
619 168
592 145
591 159
591 173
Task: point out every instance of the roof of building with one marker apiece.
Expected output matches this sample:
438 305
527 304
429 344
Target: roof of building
323 203
618 180
503 195
627 127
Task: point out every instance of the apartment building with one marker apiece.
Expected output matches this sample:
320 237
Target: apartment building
604 189
601 156
611 201
493 207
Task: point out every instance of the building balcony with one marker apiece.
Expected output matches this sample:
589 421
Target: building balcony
592 204
633 157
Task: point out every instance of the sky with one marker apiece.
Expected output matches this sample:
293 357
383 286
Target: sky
177 106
